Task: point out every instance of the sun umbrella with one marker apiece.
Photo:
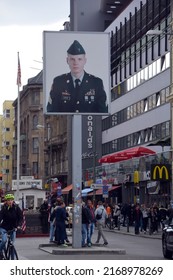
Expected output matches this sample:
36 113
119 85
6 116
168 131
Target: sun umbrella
126 154
138 152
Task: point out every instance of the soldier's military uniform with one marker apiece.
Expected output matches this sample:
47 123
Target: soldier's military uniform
90 97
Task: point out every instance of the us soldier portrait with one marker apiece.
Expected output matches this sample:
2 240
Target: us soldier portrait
77 91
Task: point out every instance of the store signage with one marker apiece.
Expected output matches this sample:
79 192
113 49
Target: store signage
160 172
90 132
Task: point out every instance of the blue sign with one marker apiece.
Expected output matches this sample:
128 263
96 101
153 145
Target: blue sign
59 189
105 191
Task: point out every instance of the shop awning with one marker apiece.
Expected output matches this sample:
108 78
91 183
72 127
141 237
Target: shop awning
67 189
86 191
126 154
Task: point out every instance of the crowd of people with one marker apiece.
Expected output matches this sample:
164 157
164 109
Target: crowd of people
56 217
143 218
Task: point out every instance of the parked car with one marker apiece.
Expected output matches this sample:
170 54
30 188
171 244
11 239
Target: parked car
167 240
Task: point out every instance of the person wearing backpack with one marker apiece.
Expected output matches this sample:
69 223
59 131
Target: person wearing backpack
101 216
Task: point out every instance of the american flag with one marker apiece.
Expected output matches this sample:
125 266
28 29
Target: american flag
23 227
19 73
24 222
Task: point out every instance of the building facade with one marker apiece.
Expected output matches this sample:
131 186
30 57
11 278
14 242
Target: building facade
140 72
7 140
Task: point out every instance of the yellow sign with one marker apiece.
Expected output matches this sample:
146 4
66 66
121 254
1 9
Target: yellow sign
160 172
136 177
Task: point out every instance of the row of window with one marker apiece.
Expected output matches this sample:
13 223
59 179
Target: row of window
126 49
149 72
155 100
144 136
142 76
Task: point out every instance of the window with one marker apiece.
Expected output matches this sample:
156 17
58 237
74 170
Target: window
7 113
167 60
145 105
114 145
35 98
35 168
35 145
163 96
35 122
114 119
150 102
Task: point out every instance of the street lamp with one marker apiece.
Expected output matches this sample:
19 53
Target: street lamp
156 32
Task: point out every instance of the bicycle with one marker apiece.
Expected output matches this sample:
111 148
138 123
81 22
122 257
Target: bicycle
9 251
110 223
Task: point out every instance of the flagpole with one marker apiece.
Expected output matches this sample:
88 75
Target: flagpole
18 127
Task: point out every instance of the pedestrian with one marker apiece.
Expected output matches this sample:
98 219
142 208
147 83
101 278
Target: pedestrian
86 220
124 213
77 91
59 215
44 211
163 214
137 218
101 216
153 220
116 214
52 223
144 217
91 226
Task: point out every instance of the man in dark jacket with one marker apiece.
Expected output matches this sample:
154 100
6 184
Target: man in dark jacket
91 226
44 211
137 217
10 218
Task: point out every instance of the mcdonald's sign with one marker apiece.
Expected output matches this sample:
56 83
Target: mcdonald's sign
160 172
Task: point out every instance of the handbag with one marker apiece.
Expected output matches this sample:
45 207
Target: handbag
99 216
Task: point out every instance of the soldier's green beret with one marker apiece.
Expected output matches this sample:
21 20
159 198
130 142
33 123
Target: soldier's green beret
76 48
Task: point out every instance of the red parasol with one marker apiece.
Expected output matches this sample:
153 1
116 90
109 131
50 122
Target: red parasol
126 154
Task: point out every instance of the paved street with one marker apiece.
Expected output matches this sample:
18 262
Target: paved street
142 247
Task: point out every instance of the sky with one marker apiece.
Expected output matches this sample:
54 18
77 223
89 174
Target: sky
22 23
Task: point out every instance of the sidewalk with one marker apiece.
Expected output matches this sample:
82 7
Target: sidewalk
52 248
131 231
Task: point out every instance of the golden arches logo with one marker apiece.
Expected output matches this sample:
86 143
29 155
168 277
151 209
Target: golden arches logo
160 171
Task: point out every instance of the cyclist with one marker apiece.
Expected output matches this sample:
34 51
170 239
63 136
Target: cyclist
10 218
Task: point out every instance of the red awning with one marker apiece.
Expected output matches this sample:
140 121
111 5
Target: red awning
67 189
126 154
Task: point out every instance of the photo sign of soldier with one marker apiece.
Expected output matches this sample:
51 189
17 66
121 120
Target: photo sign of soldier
76 74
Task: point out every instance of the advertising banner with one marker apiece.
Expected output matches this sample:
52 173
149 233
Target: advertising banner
76 73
